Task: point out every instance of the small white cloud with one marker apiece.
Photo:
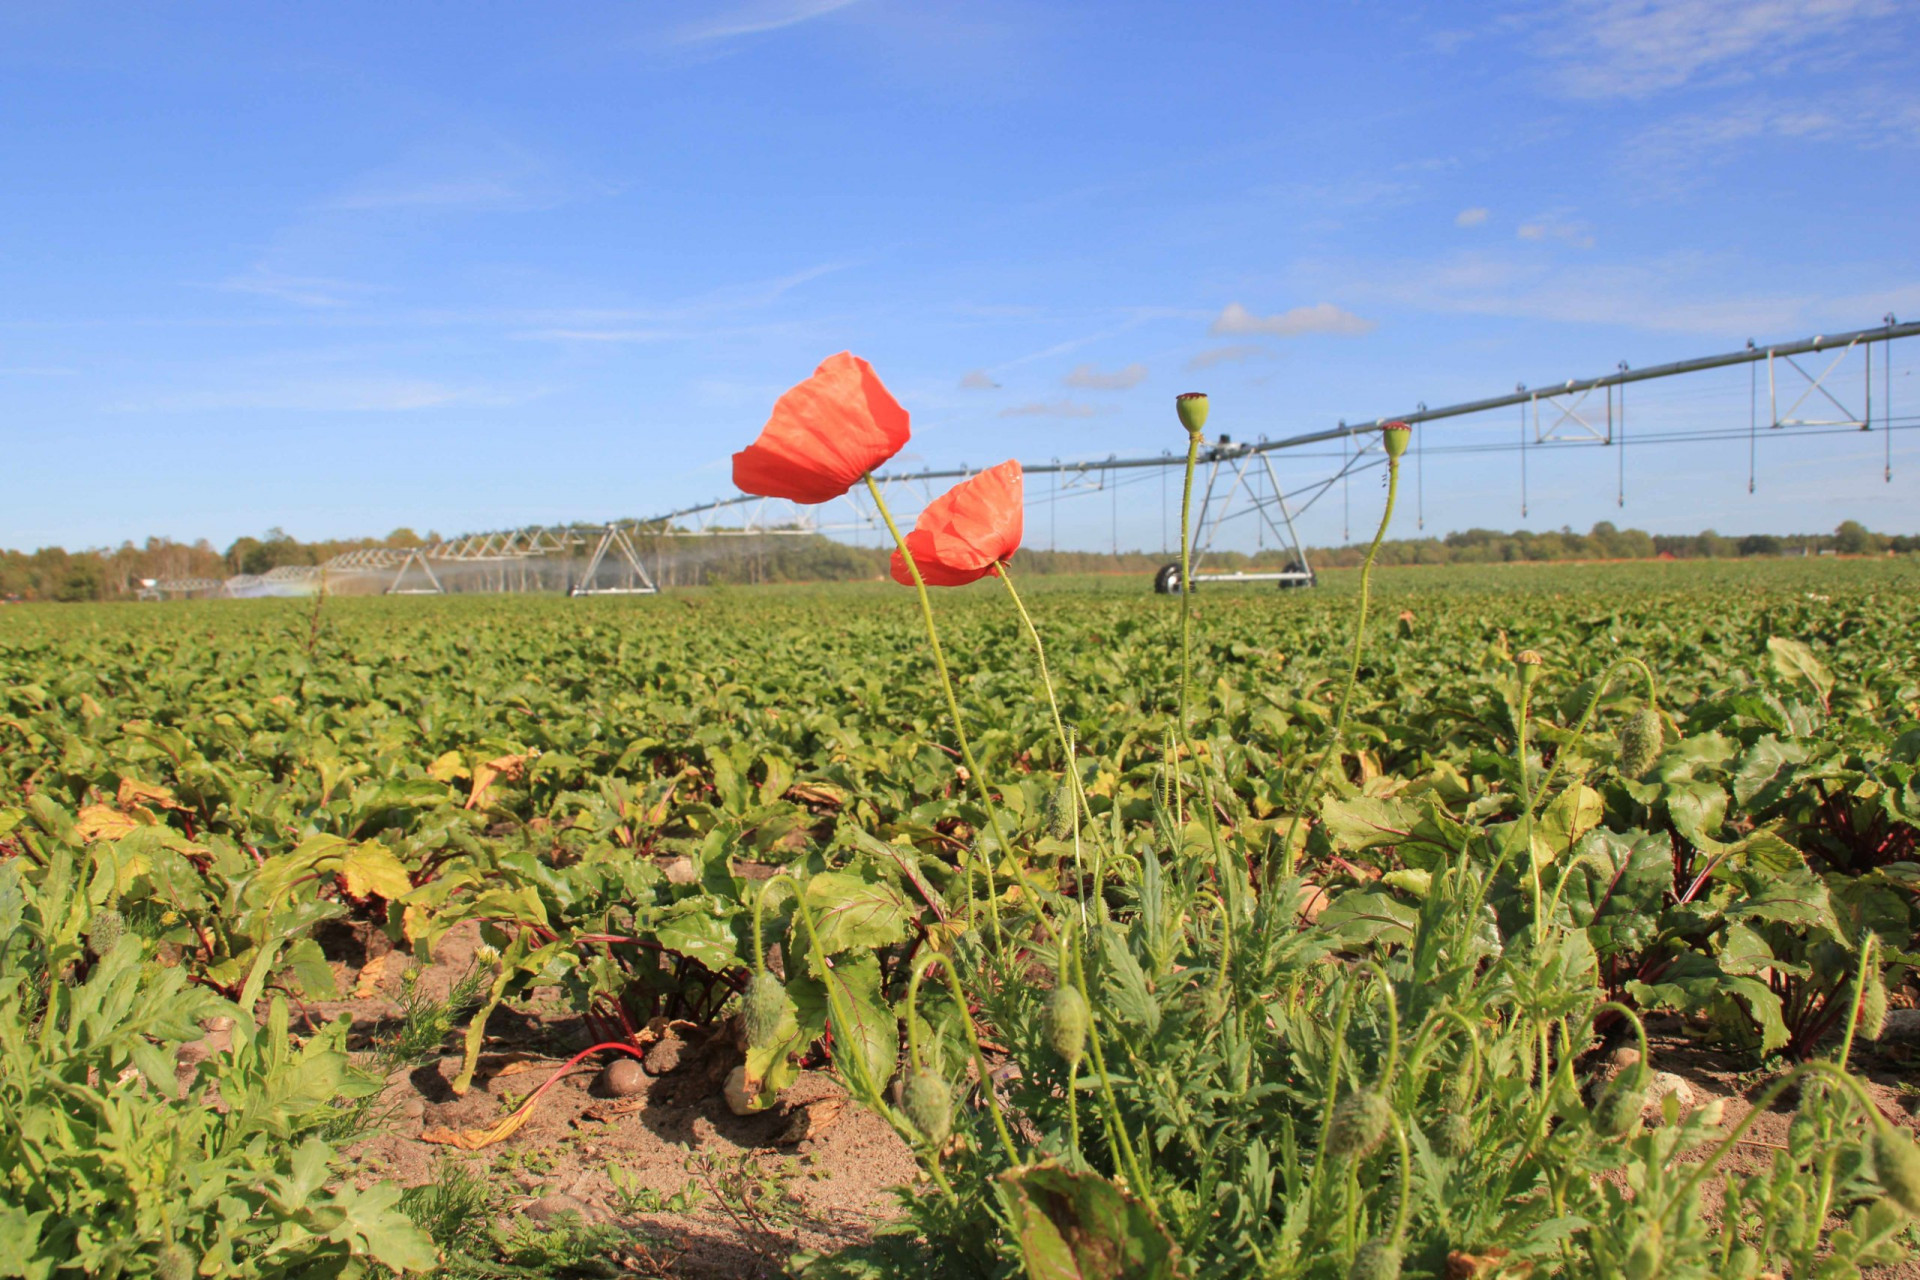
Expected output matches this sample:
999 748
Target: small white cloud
1238 354
1089 378
302 291
1323 317
977 380
1054 409
1577 234
1473 217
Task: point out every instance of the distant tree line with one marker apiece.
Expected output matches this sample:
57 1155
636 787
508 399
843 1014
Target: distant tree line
52 573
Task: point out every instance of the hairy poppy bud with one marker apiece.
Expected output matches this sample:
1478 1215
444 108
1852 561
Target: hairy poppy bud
765 1005
1378 1259
1641 738
1619 1108
105 930
929 1104
1067 1022
1359 1123
1396 436
1644 1262
1896 1161
1060 809
174 1263
1452 1135
1873 1008
1192 408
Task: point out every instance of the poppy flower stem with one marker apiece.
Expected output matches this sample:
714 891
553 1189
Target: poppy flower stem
1289 856
1003 849
1053 704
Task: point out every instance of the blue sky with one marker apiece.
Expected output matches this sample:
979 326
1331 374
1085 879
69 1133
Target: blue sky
345 267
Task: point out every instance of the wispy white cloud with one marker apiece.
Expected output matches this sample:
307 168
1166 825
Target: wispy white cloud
1556 227
756 19
978 380
1322 317
303 291
1236 354
685 319
1672 294
341 395
1473 217
1635 48
1087 377
1680 153
1053 409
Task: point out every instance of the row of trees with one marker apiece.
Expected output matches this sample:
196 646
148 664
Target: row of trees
52 573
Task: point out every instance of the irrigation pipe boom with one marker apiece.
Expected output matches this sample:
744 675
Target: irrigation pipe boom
1240 480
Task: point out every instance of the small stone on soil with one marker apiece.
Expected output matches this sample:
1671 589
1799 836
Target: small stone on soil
558 1204
623 1078
1664 1083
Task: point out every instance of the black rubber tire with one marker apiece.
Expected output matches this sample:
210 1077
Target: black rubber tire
1167 581
1297 567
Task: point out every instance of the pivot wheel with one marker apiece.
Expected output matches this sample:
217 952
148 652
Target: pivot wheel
1297 567
1167 581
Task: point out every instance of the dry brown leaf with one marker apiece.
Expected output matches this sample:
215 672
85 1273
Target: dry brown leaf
507 768
132 794
367 985
101 822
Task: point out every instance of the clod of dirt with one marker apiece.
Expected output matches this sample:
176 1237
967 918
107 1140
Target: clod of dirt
623 1078
557 1205
808 1120
665 1056
1623 1057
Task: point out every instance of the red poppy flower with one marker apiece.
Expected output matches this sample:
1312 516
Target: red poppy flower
965 532
824 435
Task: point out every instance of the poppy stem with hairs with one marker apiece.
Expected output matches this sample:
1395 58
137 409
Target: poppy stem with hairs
953 708
1330 751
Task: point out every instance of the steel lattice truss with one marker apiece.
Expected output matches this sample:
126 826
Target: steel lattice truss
1239 482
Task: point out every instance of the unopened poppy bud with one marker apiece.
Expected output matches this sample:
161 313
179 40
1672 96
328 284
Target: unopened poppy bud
175 1263
1452 1135
1873 1009
1396 436
929 1104
1896 1161
1067 1022
1378 1259
1641 738
1192 408
1618 1111
105 930
765 1005
1358 1125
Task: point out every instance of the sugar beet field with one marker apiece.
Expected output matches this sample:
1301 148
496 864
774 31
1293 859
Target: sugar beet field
673 935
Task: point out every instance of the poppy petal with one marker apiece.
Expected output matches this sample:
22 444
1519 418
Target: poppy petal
824 435
967 531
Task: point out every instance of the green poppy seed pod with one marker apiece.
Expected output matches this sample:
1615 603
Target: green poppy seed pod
1396 436
765 1006
1192 408
105 930
1359 1123
1644 1262
1896 1161
174 1263
1452 1135
1378 1259
929 1105
1641 738
1527 664
1067 1022
1618 1111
